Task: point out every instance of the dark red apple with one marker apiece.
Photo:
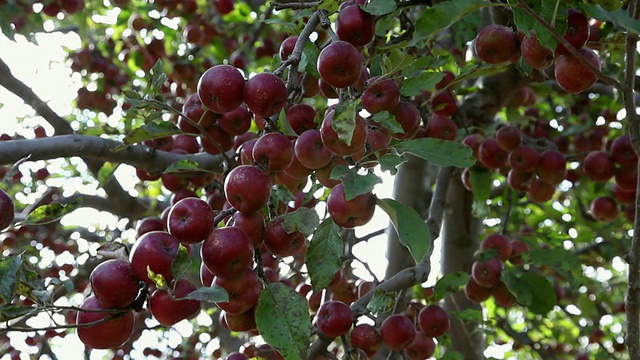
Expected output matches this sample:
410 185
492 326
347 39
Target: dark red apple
6 210
397 332
381 95
604 208
279 242
598 166
155 250
190 220
442 127
301 117
273 151
433 320
247 188
170 310
265 94
354 25
334 318
105 335
236 122
221 88
534 54
552 167
367 338
114 284
573 75
350 213
227 252
244 292
310 150
338 146
340 64
496 44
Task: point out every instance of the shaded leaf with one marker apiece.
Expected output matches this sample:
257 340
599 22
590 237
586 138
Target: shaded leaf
387 120
518 288
309 59
412 231
323 254
208 294
397 60
304 220
182 166
49 213
414 86
150 131
480 180
379 7
436 18
31 285
354 183
450 283
438 151
381 301
553 12
181 264
9 312
618 17
9 268
282 316
390 162
544 296
344 120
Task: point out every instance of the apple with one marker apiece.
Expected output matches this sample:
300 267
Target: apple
552 167
397 332
496 44
191 220
334 318
382 94
340 64
301 117
105 335
227 252
245 321
577 33
475 292
350 213
422 347
534 54
433 320
252 224
626 178
408 116
442 127
498 242
247 188
244 291
221 88
487 273
541 192
622 151
491 155
508 137
604 208
573 75
114 284
367 338
186 142
6 209
310 150
354 25
523 159
279 242
236 122
287 46
502 295
273 151
518 247
598 166
155 250
444 103
265 94
296 169
168 309
216 140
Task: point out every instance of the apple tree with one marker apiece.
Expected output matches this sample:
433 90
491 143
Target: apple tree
256 135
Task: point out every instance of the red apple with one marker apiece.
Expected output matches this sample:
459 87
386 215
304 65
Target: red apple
301 117
534 54
170 310
191 220
604 208
334 318
114 284
433 320
279 242
599 166
496 44
244 292
227 252
340 64
354 25
108 334
310 150
221 88
247 188
350 213
265 94
338 146
397 332
381 95
273 151
552 167
573 75
367 338
6 210
155 250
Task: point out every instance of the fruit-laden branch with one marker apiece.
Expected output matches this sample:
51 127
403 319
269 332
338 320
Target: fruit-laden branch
93 147
18 88
632 301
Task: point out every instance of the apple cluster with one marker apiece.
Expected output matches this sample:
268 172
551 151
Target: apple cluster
499 44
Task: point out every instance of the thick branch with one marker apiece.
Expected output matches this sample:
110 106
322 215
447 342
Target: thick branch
93 147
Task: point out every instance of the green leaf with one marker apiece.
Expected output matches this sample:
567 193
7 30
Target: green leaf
387 120
559 259
379 7
450 283
381 301
414 86
354 183
452 355
282 316
436 18
390 162
304 220
31 285
106 172
323 254
310 54
412 231
150 131
284 125
471 315
156 78
9 268
182 166
396 61
181 264
544 296
480 180
9 312
518 288
438 151
49 213
158 279
552 12
344 120
618 17
211 294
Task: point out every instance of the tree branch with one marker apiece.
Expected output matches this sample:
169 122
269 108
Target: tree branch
93 147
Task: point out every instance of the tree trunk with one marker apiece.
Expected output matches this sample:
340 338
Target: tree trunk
460 233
